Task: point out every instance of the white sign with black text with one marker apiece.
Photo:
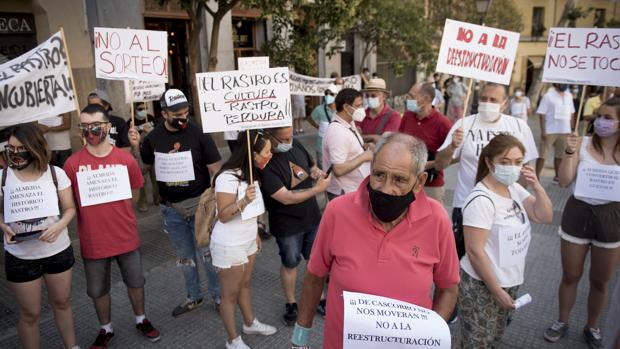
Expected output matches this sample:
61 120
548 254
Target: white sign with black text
598 182
103 185
29 201
174 167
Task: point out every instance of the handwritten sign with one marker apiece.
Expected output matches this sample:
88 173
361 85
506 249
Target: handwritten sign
598 182
254 208
103 185
244 100
143 91
513 245
381 322
309 86
477 52
30 201
253 63
131 54
174 167
36 85
585 56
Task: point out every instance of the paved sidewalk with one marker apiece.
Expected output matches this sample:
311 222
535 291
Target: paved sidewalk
203 328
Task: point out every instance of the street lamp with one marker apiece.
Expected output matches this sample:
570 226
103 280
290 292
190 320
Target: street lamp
482 6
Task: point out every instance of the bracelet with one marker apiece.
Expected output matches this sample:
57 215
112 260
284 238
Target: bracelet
239 208
301 335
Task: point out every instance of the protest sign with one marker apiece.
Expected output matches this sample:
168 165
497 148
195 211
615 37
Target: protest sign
30 201
256 207
143 91
477 52
253 63
380 322
103 185
584 56
174 167
131 54
244 100
600 182
309 86
37 84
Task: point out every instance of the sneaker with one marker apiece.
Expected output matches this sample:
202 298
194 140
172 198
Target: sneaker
321 307
186 306
148 330
102 340
258 327
290 315
557 330
237 343
593 337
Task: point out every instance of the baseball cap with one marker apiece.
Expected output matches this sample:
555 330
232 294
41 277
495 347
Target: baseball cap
102 95
173 100
333 88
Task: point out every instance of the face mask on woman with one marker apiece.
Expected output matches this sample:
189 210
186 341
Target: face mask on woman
605 127
507 174
19 160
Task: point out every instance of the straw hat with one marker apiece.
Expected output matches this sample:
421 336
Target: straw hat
376 84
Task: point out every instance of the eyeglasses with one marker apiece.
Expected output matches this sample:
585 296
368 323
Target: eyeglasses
518 211
13 149
92 127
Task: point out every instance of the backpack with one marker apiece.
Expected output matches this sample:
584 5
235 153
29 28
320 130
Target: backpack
205 217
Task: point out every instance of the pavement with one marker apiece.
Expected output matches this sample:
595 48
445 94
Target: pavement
203 328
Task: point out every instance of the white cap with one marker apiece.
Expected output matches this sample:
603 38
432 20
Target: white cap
173 100
333 88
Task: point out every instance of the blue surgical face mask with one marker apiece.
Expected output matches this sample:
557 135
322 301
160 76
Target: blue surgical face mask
329 99
141 114
507 174
374 103
284 147
412 105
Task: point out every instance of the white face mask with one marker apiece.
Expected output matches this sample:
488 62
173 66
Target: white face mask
518 94
489 112
507 174
373 102
358 114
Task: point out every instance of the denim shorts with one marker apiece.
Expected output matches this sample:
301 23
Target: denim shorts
293 247
98 273
25 270
225 257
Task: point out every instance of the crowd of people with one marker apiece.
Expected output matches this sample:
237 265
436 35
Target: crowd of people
383 175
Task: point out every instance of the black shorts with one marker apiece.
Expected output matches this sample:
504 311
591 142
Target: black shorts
25 270
593 222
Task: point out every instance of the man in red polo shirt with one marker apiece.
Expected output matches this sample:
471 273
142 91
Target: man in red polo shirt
423 121
386 239
380 118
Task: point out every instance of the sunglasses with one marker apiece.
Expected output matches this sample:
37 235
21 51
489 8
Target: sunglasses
518 211
93 127
258 133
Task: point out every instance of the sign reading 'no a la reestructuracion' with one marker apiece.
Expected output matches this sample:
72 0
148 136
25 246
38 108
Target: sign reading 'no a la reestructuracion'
244 100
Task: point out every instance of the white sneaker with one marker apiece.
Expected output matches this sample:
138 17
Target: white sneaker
258 327
237 343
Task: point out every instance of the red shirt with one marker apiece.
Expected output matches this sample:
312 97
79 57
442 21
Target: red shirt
109 229
369 125
361 257
432 130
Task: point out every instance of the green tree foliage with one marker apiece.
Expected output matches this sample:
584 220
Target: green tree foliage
501 14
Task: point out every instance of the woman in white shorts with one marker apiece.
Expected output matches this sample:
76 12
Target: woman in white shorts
234 241
591 220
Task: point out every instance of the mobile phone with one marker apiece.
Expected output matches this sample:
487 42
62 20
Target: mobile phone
31 235
329 170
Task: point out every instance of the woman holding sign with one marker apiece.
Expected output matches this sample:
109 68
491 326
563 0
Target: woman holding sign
37 205
591 219
234 241
496 220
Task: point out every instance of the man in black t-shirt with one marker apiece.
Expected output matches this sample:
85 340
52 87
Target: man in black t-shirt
294 213
118 132
184 160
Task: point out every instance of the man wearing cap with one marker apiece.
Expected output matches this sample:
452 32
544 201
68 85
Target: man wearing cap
321 117
118 132
380 117
180 141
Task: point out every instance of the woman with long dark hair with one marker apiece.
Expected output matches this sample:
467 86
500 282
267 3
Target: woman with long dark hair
234 241
37 248
589 224
496 221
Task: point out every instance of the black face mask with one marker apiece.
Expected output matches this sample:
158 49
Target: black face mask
561 87
24 158
388 207
179 123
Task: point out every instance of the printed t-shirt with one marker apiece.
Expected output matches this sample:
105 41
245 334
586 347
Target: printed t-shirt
119 132
109 229
203 150
290 170
477 135
36 249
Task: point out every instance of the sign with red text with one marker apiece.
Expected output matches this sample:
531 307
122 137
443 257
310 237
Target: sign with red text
36 85
477 52
143 91
311 86
244 99
122 54
584 56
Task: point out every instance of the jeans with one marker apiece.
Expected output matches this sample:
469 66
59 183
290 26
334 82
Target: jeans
181 233
293 247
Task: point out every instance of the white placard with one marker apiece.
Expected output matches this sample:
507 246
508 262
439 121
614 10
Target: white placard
244 100
174 167
513 245
310 86
477 52
36 85
143 91
383 323
30 201
253 63
103 185
598 182
254 208
133 54
51 122
585 56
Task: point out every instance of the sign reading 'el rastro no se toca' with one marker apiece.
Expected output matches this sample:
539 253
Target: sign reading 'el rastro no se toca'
36 85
